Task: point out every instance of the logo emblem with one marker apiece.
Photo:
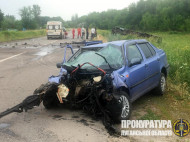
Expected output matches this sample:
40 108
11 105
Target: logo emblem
181 127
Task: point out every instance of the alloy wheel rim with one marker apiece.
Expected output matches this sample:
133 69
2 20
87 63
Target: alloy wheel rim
163 83
125 106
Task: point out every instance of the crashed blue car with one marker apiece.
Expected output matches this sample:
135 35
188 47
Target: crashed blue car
108 77
103 79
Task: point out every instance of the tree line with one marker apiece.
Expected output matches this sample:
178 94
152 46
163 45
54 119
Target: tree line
30 19
146 15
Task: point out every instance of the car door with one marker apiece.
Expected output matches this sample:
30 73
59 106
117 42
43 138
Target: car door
136 73
152 66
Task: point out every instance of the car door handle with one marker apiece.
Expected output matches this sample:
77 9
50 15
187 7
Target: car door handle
146 65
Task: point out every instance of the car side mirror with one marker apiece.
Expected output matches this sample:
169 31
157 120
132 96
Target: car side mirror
59 65
134 61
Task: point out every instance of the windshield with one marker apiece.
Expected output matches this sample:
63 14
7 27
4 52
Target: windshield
111 54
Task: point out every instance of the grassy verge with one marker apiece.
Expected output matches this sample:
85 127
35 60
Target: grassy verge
175 103
16 35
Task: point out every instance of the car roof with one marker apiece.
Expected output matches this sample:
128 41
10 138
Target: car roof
118 43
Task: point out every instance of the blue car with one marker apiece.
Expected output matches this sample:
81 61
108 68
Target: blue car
106 78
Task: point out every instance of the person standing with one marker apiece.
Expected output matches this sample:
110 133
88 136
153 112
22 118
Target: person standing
95 32
87 32
73 32
83 32
79 32
92 33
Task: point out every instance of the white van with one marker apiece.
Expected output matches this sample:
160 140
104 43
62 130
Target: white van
54 29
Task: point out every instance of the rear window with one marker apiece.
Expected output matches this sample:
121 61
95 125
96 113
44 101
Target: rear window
53 27
57 27
50 27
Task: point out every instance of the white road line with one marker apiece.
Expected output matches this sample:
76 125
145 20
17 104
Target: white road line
11 57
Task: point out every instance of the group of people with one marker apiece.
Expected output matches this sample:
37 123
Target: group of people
82 31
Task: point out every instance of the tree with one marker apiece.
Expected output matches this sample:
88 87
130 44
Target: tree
8 22
74 20
1 17
36 11
26 17
30 17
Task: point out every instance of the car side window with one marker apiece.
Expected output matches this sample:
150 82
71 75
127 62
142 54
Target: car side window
133 52
151 49
145 50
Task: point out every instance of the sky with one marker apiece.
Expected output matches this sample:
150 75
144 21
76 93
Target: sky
63 8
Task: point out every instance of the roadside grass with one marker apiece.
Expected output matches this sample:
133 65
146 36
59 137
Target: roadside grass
150 115
175 103
16 35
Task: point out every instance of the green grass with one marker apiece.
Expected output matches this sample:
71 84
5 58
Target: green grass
16 35
175 103
150 115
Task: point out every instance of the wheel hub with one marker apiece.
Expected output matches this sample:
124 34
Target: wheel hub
163 83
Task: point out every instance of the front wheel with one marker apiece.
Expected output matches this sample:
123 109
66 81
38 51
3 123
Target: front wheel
120 107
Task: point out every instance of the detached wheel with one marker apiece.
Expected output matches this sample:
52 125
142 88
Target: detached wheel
160 89
120 107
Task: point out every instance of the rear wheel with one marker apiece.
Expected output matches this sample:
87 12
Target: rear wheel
120 107
160 89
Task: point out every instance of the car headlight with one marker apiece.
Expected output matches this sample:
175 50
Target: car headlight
97 79
62 92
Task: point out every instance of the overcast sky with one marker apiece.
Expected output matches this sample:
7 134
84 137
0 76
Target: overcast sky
63 8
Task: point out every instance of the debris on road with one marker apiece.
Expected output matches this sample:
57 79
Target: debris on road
123 31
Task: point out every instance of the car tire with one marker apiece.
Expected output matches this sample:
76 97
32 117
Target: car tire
120 107
50 102
50 99
160 89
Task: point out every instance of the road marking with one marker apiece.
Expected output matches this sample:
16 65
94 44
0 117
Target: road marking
11 57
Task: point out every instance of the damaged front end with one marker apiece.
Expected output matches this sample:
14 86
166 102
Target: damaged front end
88 80
94 86
95 92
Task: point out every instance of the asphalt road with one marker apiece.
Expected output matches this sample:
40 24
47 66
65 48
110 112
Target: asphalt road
24 66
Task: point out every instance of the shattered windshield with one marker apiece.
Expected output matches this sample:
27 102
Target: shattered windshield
111 55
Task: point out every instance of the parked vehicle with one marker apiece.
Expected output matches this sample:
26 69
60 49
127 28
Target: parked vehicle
55 30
